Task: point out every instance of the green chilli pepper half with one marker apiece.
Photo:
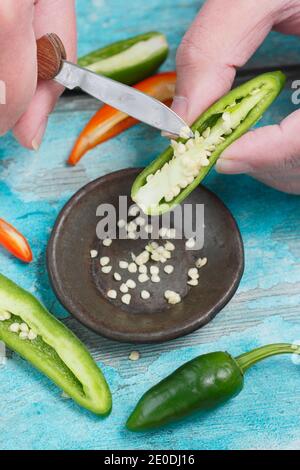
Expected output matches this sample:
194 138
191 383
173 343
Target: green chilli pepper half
169 179
201 384
129 61
29 329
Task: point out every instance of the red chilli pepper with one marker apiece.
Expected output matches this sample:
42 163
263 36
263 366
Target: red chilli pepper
109 122
14 242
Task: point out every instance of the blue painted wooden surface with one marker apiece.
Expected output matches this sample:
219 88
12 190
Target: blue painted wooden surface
33 188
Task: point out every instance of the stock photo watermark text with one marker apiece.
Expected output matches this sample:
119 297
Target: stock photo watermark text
296 94
183 222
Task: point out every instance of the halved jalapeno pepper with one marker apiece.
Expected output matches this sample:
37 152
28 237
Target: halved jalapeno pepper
29 329
130 60
169 179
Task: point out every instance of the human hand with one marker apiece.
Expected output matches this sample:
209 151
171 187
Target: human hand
29 103
222 38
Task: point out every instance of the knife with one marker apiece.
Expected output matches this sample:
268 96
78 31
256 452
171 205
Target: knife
52 65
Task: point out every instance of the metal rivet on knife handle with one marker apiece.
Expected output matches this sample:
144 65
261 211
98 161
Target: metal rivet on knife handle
50 54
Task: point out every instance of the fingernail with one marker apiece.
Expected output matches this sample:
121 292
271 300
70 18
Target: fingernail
37 140
233 167
180 106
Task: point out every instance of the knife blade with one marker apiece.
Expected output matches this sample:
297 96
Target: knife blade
52 65
127 99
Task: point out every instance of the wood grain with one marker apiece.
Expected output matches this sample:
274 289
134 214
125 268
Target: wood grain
50 54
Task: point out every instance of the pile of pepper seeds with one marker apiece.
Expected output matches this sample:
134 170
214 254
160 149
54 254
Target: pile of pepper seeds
148 264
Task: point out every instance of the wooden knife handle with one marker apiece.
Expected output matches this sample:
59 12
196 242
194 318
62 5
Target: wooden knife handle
50 54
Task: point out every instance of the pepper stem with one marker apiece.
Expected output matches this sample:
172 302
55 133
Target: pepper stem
252 357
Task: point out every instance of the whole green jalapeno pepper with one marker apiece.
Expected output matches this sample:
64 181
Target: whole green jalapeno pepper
29 329
201 384
129 61
169 179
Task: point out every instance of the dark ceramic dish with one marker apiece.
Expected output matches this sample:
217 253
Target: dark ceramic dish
81 286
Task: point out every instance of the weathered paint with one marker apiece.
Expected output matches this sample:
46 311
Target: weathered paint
34 186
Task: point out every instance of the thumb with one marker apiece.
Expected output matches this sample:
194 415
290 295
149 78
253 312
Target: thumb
216 43
264 151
